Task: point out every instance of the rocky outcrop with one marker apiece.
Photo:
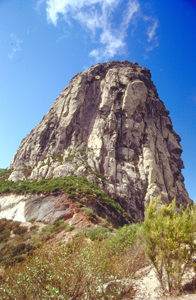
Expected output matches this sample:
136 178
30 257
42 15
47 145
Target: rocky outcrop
42 208
110 126
50 207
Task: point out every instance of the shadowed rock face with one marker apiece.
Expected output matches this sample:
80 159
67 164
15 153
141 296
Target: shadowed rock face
109 125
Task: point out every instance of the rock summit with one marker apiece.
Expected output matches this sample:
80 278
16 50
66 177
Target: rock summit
110 126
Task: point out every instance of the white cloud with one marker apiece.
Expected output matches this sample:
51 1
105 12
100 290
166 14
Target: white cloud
151 30
91 21
16 45
99 18
111 45
152 36
133 7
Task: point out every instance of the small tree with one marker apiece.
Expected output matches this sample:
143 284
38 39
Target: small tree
169 236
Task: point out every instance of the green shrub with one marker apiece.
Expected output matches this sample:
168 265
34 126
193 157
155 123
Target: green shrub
48 228
20 249
2 226
76 271
89 213
13 224
33 228
43 237
95 233
4 236
20 230
57 227
170 245
26 170
70 227
11 253
59 223
4 174
8 225
32 220
123 238
99 233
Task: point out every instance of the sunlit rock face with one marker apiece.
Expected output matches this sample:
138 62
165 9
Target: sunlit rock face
110 126
42 208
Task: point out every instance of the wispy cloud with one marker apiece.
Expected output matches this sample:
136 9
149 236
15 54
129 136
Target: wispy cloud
152 41
99 18
151 31
15 44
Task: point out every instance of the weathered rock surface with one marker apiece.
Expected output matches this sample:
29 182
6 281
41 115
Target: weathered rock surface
42 208
109 125
51 207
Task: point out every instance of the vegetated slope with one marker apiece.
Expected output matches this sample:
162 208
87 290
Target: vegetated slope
49 200
93 268
99 262
109 126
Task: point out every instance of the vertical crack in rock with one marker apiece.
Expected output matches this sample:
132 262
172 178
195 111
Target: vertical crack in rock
110 126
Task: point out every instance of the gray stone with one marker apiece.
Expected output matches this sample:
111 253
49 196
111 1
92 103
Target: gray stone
109 125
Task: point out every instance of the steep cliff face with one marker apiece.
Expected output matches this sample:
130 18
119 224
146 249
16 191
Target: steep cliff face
110 126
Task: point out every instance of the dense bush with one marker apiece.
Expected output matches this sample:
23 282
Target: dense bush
4 236
21 249
20 230
169 234
94 233
16 242
78 270
123 238
8 242
41 268
8 224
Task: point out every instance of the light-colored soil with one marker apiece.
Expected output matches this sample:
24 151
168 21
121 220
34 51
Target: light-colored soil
148 288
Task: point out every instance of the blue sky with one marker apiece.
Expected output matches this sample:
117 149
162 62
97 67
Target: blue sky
44 43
